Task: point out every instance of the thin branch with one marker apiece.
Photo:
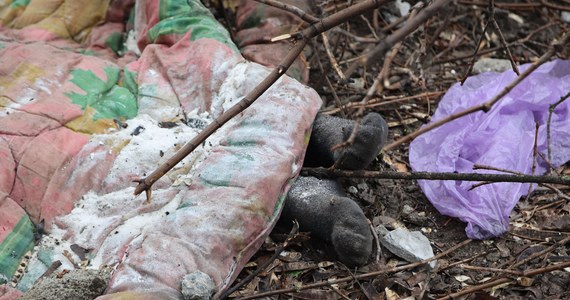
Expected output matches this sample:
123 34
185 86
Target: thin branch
495 270
351 273
410 26
304 36
550 112
381 102
294 231
565 179
343 112
377 242
486 106
146 183
534 156
485 167
354 37
552 167
551 187
490 50
332 59
524 274
378 82
292 9
338 292
554 6
519 6
371 91
504 43
451 265
541 253
506 280
491 20
370 27
54 266
356 277
474 55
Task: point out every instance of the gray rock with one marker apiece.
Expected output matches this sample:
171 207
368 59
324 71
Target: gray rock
74 285
381 231
406 210
197 286
395 9
565 16
402 7
491 65
411 246
353 190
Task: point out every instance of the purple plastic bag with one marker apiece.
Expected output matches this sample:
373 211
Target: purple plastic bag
502 138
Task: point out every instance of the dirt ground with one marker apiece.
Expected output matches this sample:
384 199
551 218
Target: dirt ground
429 61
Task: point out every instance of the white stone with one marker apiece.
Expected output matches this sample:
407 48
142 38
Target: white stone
565 16
491 65
411 246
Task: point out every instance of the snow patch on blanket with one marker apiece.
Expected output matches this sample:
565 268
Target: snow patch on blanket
151 147
104 221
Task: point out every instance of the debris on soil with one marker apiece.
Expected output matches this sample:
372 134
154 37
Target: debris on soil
75 284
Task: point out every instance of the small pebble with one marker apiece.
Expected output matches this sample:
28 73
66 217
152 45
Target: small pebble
353 190
565 16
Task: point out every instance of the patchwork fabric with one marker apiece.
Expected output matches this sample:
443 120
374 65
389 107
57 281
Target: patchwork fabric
94 94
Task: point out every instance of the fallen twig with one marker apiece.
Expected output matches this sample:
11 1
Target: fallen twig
550 112
490 20
518 6
490 50
264 266
381 102
451 265
522 274
377 242
538 254
551 187
332 59
337 101
292 9
506 280
355 277
411 25
496 270
565 179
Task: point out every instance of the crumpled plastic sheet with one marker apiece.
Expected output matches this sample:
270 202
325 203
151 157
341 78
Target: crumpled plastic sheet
79 122
502 138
